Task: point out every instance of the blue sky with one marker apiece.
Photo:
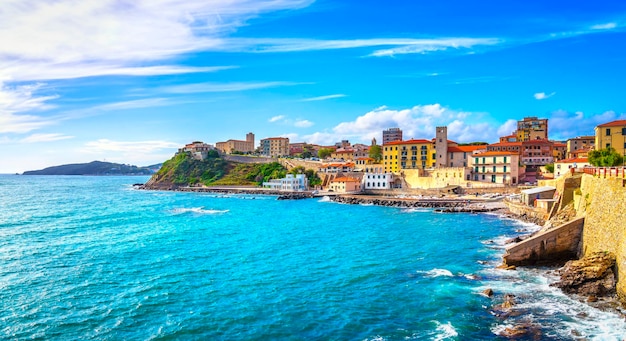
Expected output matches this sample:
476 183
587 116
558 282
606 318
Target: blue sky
130 83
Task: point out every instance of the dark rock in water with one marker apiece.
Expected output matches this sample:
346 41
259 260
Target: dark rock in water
525 330
590 276
488 292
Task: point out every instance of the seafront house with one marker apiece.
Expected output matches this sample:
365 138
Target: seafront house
291 183
563 167
345 184
496 167
275 146
612 134
411 154
372 181
459 156
234 146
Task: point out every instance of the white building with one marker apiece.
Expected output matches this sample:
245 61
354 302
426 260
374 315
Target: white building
290 183
377 181
565 166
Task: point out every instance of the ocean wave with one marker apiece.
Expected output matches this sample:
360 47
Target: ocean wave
197 210
415 210
325 198
445 331
436 273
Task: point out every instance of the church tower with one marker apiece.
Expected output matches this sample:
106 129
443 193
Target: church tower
441 147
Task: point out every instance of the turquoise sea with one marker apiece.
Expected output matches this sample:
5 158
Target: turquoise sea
92 258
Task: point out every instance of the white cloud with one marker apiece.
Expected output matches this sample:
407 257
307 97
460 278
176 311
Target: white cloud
542 95
322 98
606 26
564 124
508 128
423 46
303 123
36 138
14 100
276 118
417 122
224 87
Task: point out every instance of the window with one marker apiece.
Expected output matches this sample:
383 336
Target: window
494 159
608 145
493 178
505 159
608 131
494 169
483 176
504 169
483 160
624 131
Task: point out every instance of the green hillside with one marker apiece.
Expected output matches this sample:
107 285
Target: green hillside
92 168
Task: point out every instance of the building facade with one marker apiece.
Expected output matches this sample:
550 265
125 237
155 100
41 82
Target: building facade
612 134
537 152
496 167
391 135
275 146
532 128
459 156
345 184
411 154
232 146
579 143
563 167
291 183
198 150
377 181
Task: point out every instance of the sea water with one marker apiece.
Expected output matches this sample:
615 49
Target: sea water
93 258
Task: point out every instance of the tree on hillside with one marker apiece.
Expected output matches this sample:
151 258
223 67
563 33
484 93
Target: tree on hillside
376 153
324 153
607 157
550 167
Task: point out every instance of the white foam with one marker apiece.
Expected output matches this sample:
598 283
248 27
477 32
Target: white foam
445 330
415 210
437 273
198 210
325 198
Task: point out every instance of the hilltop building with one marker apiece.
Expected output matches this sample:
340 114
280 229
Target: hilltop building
579 143
612 134
275 146
391 135
198 150
232 146
532 128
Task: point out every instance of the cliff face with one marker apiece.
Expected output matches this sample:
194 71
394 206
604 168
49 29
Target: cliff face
603 201
183 170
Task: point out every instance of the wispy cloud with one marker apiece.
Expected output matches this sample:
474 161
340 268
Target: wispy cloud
276 118
36 138
606 26
323 98
542 95
224 87
16 100
303 123
105 145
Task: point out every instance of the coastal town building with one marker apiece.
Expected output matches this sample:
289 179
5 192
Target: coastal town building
459 156
291 183
576 144
537 152
496 167
532 128
391 135
513 147
508 138
564 167
373 181
612 134
198 150
343 154
345 184
441 147
337 167
233 146
275 146
530 196
411 154
559 150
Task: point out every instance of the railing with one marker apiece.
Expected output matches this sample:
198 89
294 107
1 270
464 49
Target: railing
604 172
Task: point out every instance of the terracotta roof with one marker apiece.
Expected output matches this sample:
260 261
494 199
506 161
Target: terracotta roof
559 144
495 154
345 179
414 141
505 144
466 149
574 160
364 158
614 124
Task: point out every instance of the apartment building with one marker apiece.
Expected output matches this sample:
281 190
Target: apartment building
410 154
496 167
612 134
275 146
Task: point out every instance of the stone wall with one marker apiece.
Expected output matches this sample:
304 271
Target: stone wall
604 202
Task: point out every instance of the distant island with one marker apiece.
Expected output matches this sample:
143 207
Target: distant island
95 168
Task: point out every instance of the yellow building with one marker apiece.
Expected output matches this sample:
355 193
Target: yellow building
275 146
532 128
612 134
232 146
411 154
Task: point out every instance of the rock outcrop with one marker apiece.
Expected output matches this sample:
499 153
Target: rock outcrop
592 276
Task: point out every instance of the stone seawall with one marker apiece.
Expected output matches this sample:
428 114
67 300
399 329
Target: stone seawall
399 202
604 203
555 245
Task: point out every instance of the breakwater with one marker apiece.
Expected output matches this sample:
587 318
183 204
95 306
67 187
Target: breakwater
447 205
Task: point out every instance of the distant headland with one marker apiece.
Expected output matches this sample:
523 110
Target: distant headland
95 168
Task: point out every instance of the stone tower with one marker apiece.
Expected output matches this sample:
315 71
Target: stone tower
250 140
441 147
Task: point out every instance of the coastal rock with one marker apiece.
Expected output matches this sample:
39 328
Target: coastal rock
525 330
590 276
488 292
